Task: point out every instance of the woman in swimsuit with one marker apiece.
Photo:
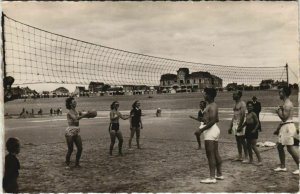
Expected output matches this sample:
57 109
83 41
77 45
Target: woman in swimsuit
251 133
114 127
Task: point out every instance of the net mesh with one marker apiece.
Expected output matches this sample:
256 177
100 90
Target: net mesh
34 55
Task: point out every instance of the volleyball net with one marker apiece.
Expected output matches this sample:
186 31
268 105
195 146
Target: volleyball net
33 55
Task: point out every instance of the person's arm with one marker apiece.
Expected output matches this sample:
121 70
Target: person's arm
141 120
213 118
255 118
243 114
259 107
122 116
141 124
242 126
276 132
75 117
192 117
130 119
284 112
230 127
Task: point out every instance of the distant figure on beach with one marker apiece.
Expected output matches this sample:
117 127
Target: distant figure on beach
211 133
251 133
202 106
135 123
287 133
114 127
72 131
239 112
23 112
11 166
256 109
60 110
32 112
158 112
40 112
51 111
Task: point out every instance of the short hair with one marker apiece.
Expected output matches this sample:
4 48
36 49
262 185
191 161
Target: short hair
212 92
254 98
249 102
203 102
287 90
68 102
239 92
12 144
134 104
112 106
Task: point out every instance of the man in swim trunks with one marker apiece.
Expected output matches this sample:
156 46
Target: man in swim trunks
239 112
211 133
287 133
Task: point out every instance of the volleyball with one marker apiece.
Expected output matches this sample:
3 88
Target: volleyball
91 113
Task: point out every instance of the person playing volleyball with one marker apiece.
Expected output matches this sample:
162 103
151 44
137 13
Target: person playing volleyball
211 133
72 131
202 106
239 112
114 127
135 123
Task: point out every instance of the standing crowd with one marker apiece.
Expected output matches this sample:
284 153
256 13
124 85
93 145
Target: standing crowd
245 126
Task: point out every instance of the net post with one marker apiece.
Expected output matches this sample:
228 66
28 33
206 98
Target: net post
3 44
287 73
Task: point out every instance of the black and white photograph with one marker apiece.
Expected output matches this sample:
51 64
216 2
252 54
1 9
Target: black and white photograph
150 97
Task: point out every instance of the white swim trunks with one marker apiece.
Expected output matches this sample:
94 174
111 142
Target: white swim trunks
212 134
287 133
235 125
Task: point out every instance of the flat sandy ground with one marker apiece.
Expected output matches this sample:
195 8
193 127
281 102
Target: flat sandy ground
167 162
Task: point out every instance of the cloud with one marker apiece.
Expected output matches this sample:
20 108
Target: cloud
224 33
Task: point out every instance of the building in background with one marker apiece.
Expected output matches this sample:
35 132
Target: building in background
185 81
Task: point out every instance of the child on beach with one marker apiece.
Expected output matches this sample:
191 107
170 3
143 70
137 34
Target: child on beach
202 106
12 166
251 134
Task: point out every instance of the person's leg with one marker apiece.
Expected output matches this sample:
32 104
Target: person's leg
218 159
249 148
132 131
210 153
78 143
112 134
294 153
239 147
138 134
120 138
244 144
254 147
198 140
281 153
69 140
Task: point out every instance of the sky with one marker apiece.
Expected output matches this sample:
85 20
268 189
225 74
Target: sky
222 33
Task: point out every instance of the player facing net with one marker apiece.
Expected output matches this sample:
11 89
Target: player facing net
33 55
